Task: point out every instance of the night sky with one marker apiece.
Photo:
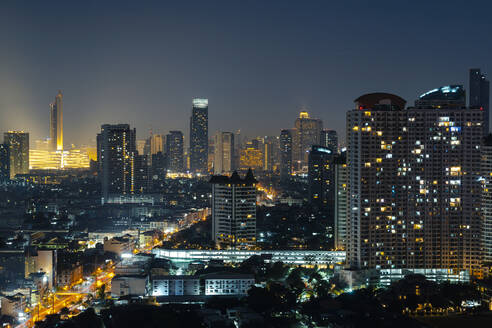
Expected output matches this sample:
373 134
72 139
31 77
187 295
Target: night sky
258 62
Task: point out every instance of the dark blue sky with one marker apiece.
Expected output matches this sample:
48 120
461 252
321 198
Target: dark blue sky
258 62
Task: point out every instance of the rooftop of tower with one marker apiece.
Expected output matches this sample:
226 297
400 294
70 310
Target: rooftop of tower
381 100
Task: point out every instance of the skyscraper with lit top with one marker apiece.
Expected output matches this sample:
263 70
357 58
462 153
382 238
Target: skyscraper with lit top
414 189
199 136
56 122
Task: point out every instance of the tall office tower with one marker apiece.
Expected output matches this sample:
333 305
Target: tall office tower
141 145
116 151
270 153
4 163
486 169
159 167
156 143
199 136
18 142
341 187
251 157
141 174
174 150
414 190
223 152
480 95
329 139
234 210
308 134
56 122
321 179
285 154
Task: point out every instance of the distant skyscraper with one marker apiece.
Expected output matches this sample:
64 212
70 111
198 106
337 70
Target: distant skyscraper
174 149
486 170
321 179
341 187
156 143
141 173
18 142
141 145
4 163
56 122
223 152
480 95
308 134
234 210
414 189
285 153
116 154
329 139
199 136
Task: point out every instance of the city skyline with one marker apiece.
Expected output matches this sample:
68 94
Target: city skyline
306 67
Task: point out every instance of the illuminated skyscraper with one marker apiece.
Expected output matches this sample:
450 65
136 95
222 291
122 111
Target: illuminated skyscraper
18 142
56 122
156 143
174 150
308 133
414 189
321 179
234 210
329 139
223 152
285 153
199 136
341 187
486 170
4 163
480 95
116 157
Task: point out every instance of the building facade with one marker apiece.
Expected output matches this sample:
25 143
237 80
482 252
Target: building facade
308 133
486 170
116 155
199 136
285 153
4 163
234 210
223 152
321 179
174 150
480 95
341 187
18 142
329 139
414 190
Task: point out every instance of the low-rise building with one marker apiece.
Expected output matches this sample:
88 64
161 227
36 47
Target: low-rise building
129 285
175 285
228 284
119 245
14 306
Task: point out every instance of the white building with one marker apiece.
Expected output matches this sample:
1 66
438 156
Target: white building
228 284
223 152
14 306
131 285
119 245
175 285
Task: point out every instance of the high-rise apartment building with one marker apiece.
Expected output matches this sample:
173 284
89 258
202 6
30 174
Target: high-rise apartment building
341 187
321 179
414 189
480 95
329 139
56 122
234 210
4 163
285 153
18 142
199 136
223 152
486 169
308 133
116 146
174 150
